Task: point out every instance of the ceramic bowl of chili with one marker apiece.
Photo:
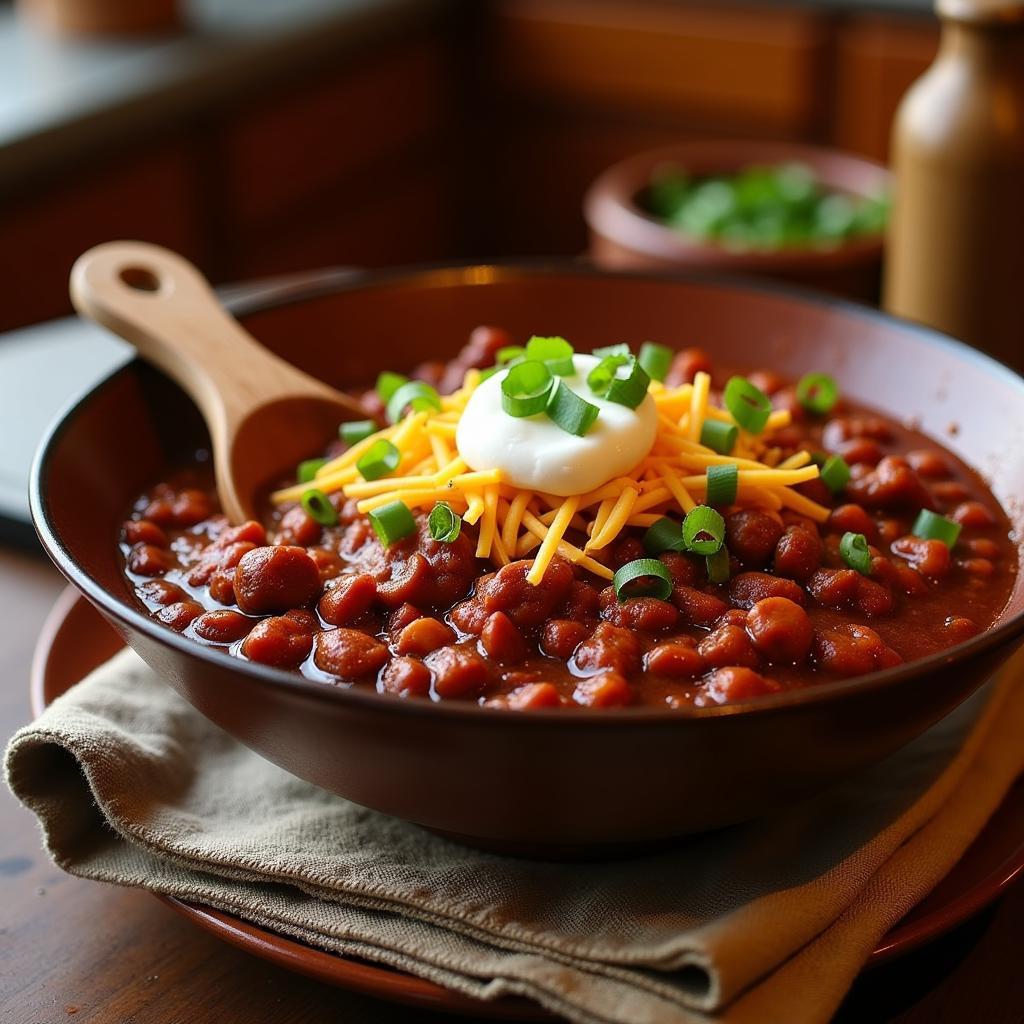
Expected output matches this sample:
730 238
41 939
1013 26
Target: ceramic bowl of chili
560 780
626 231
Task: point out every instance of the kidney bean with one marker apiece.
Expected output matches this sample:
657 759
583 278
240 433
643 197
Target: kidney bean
891 484
349 653
250 532
834 587
644 613
982 547
583 602
751 535
685 570
625 550
278 641
861 450
425 572
405 677
179 509
328 564
748 588
872 598
605 690
304 618
424 635
850 518
949 492
458 672
972 513
142 531
732 683
562 636
977 566
957 628
686 365
161 592
349 599
696 606
273 579
502 640
148 560
533 695
930 557
909 580
780 629
610 647
469 617
222 586
928 463
727 645
525 604
299 527
890 530
222 626
402 616
676 657
844 428
798 553
179 614
733 617
851 649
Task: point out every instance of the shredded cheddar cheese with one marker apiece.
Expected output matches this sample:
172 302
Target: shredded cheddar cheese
513 523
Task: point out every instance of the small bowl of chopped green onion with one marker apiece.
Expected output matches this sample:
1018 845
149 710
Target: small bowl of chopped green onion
799 213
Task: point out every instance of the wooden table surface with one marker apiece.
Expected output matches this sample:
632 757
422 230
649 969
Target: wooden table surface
72 950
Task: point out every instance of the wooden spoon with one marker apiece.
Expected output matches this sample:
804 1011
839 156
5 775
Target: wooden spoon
263 414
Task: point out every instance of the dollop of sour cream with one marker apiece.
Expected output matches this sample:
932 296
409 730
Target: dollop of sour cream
534 453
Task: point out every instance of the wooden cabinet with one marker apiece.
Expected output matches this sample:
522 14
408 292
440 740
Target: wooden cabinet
153 196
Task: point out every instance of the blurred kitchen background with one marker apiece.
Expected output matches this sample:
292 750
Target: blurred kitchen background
261 138
266 137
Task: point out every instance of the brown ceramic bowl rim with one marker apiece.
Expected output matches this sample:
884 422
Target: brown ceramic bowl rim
611 209
319 284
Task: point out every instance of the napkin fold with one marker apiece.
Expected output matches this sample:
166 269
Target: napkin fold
770 920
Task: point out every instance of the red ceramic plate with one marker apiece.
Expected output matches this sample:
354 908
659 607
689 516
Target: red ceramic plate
75 639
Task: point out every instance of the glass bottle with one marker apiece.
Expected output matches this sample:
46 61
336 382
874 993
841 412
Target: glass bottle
955 255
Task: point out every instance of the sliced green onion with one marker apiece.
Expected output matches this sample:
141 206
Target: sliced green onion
703 530
835 473
665 535
931 526
612 350
723 483
718 436
392 522
817 393
309 469
509 354
573 414
600 378
526 389
356 430
748 404
655 359
629 391
853 549
719 569
555 353
381 458
657 581
319 507
444 524
414 394
388 383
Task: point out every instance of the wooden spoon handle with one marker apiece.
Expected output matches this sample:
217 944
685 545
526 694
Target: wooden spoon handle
162 304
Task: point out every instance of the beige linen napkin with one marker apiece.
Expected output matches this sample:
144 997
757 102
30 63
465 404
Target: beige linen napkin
767 921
